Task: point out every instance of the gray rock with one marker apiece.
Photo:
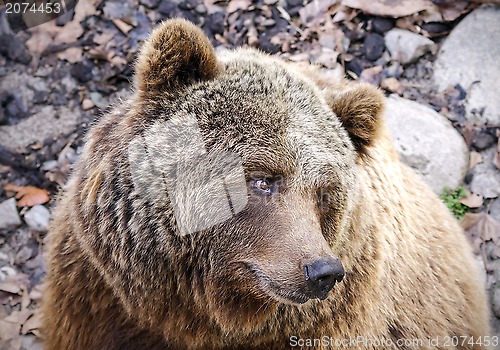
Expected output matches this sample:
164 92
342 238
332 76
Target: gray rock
495 299
426 141
495 210
486 177
407 47
48 123
9 217
469 57
38 218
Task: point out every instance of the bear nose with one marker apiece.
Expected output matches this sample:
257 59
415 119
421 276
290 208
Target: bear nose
321 276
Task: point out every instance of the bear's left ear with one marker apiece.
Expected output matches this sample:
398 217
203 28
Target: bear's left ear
177 54
359 107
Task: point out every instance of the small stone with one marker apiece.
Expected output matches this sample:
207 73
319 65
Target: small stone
382 25
407 47
201 9
294 3
167 7
395 70
495 299
38 218
50 165
486 184
482 141
374 46
82 71
9 217
16 107
435 27
87 104
12 47
150 3
65 18
495 209
99 100
216 22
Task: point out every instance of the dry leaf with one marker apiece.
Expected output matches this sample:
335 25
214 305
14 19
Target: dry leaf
72 54
28 195
69 33
389 8
124 27
475 159
32 323
392 85
235 5
472 200
480 228
14 284
9 330
469 132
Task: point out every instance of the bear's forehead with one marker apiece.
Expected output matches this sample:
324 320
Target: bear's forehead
277 122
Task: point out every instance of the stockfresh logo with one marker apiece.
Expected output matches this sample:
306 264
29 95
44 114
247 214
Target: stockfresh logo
203 188
23 14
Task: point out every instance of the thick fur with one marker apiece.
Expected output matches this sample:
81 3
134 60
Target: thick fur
121 276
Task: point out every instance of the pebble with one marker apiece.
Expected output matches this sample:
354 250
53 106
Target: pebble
482 141
485 176
382 25
407 47
82 71
12 47
38 218
495 209
495 291
486 184
374 46
9 217
150 3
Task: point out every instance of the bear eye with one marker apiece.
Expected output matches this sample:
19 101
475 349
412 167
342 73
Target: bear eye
263 186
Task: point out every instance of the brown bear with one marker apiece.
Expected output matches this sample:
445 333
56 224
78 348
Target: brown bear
236 201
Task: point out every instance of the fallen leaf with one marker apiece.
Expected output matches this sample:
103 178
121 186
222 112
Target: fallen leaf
124 27
235 5
472 200
475 159
28 195
72 54
14 284
469 132
389 8
9 330
32 323
69 34
479 228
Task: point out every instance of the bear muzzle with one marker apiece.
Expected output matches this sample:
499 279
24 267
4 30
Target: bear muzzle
321 275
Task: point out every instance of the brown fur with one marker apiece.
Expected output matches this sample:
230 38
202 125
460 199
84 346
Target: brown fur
121 276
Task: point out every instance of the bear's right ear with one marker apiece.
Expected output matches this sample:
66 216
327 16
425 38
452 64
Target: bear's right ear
359 107
177 54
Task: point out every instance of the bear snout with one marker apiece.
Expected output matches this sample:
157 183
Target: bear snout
321 276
